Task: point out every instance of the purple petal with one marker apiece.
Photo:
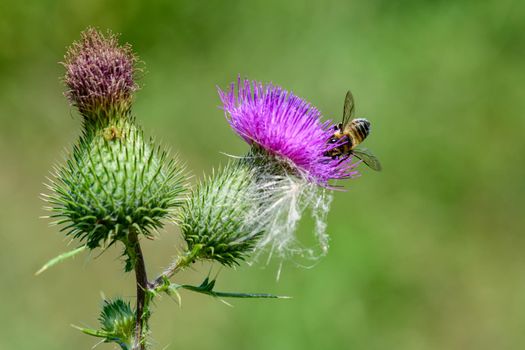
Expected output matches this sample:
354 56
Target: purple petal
286 126
100 73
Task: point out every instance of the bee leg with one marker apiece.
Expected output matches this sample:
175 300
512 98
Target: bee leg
344 157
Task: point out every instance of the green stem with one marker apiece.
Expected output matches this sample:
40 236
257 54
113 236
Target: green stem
176 265
142 310
144 287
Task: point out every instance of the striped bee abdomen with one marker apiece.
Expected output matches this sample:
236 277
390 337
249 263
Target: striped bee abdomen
359 129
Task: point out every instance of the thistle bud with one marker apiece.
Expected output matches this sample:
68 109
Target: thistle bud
115 183
100 75
218 220
117 321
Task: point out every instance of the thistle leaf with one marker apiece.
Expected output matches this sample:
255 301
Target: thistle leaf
92 332
60 258
206 287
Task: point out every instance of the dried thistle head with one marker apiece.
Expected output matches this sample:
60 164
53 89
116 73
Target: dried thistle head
100 75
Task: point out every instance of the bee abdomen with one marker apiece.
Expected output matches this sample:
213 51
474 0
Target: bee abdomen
359 128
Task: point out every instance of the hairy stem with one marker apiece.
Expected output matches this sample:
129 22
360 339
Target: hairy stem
142 311
174 267
144 287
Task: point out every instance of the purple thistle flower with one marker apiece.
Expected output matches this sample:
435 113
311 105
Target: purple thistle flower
100 74
285 126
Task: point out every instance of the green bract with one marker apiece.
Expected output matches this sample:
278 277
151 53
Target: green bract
115 182
218 219
117 321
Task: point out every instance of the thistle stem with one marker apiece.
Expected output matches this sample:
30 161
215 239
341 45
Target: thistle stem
174 267
167 273
142 312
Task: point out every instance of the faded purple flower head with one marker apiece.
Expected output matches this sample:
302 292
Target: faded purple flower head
285 126
100 74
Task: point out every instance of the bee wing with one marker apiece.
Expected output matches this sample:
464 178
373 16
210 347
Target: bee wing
348 109
368 158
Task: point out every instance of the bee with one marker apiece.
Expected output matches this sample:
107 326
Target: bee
354 131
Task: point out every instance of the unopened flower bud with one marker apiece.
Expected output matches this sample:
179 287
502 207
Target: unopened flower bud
218 221
114 183
100 75
117 321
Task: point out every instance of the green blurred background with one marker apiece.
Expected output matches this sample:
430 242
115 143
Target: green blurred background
428 254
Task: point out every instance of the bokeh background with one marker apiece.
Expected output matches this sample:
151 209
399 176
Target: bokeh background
428 254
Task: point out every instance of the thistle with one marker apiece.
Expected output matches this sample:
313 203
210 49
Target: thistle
217 221
100 75
117 186
288 147
287 128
